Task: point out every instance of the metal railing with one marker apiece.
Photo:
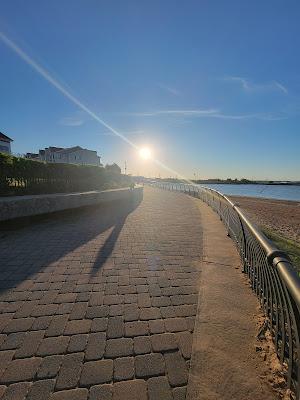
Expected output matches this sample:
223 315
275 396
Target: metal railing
272 276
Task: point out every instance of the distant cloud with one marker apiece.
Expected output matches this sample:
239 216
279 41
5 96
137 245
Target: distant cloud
209 113
249 86
260 116
71 121
194 113
169 89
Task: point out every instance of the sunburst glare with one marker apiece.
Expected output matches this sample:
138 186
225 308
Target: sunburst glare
145 153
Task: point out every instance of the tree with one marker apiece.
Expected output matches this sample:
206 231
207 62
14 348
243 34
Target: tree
114 168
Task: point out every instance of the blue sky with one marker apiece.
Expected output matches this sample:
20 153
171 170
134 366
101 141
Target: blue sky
212 87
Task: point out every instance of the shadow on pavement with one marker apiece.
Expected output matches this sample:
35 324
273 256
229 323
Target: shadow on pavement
28 246
106 250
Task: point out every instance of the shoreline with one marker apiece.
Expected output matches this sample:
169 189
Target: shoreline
240 196
281 216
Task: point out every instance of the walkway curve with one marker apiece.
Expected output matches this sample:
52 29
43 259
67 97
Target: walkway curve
100 303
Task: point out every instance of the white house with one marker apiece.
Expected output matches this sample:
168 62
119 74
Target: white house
5 143
72 155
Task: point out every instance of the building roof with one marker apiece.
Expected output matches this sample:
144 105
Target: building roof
54 149
31 154
5 138
70 149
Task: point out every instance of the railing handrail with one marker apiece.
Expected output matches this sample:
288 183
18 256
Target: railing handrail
287 271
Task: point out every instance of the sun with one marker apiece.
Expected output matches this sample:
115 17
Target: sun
145 153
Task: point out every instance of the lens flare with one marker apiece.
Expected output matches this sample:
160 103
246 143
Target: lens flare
145 153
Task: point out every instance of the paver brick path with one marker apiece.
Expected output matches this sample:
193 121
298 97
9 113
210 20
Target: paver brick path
100 303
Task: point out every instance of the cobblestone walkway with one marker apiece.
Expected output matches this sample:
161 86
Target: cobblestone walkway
100 303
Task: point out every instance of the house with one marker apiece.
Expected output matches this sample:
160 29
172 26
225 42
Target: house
5 143
72 155
32 156
48 153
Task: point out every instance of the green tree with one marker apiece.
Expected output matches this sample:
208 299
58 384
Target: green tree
114 168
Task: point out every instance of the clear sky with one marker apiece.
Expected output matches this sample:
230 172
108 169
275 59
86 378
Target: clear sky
212 87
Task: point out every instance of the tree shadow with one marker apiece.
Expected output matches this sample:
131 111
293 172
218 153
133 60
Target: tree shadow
29 246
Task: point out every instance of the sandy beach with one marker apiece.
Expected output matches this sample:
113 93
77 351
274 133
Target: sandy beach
281 216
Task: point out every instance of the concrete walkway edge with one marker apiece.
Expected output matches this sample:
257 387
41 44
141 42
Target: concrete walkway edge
224 362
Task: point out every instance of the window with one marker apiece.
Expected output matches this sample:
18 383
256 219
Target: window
3 148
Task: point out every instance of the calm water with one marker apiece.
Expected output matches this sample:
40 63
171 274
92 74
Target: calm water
281 192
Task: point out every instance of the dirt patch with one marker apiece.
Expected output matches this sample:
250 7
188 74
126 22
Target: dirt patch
281 216
274 372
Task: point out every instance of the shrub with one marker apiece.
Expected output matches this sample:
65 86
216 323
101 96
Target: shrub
20 176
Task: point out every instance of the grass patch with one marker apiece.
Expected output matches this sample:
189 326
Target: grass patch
291 247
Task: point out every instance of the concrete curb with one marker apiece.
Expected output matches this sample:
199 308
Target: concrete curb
26 206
